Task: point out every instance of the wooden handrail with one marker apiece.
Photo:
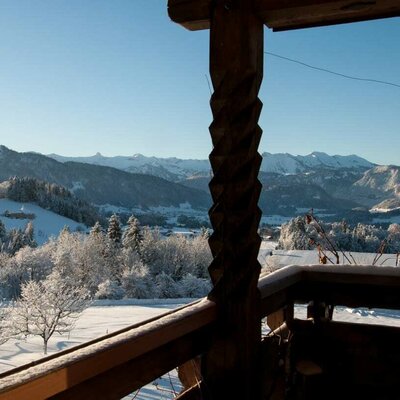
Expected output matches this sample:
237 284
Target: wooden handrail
138 354
129 356
347 285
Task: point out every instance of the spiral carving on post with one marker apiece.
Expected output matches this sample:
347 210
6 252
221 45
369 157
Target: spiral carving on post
235 188
236 71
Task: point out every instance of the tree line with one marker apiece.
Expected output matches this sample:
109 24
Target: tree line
112 263
306 233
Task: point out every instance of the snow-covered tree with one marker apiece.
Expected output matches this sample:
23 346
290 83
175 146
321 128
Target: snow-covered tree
296 235
109 290
112 252
114 229
132 236
2 231
138 283
37 262
12 276
29 235
393 239
299 235
191 286
16 241
149 249
96 229
167 288
3 324
94 265
46 307
200 256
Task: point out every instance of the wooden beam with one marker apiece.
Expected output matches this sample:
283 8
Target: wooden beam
192 14
289 14
294 14
236 68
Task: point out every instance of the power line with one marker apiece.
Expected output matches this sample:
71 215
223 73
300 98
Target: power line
208 83
332 72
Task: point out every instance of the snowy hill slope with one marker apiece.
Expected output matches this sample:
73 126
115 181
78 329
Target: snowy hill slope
46 223
377 185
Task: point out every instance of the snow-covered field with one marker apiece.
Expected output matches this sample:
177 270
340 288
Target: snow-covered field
46 223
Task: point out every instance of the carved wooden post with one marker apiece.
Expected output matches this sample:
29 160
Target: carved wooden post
230 369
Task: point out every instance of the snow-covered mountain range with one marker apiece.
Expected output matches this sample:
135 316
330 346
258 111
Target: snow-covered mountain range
335 185
176 169
318 180
100 185
284 163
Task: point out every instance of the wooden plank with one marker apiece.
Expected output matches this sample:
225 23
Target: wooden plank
358 291
139 371
290 14
98 361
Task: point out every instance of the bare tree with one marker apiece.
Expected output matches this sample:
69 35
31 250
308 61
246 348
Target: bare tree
46 307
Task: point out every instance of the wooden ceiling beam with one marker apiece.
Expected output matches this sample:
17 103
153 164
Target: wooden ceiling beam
295 14
192 14
289 14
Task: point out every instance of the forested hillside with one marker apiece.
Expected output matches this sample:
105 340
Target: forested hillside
51 197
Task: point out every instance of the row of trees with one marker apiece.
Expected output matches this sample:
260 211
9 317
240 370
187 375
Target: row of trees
302 233
135 262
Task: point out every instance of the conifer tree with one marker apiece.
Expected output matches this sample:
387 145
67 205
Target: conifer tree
114 229
3 232
15 241
29 235
96 229
132 236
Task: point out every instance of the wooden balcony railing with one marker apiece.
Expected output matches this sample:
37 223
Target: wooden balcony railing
117 364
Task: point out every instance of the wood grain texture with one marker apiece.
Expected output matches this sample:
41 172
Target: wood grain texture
294 14
236 68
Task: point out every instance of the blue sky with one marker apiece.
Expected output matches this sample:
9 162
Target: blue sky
118 77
